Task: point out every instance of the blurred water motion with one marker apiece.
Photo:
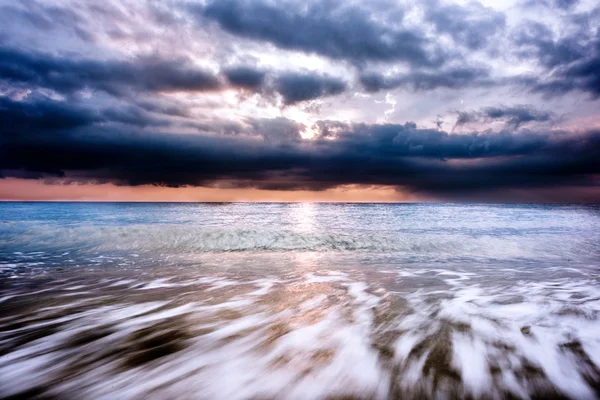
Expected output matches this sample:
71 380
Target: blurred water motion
302 301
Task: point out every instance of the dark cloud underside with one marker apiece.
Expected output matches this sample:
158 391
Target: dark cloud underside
329 28
203 93
49 140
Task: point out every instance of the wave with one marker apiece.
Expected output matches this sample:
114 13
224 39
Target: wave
172 239
183 239
331 334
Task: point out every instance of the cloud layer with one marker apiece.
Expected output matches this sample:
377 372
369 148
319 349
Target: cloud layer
302 96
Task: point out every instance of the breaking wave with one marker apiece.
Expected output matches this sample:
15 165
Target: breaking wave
316 335
295 302
175 239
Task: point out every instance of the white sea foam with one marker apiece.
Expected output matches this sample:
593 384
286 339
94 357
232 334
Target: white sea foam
314 335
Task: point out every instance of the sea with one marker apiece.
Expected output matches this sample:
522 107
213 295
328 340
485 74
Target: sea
299 301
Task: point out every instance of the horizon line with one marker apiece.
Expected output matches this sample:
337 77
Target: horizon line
297 202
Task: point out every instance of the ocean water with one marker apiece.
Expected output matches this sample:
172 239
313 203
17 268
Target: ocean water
299 301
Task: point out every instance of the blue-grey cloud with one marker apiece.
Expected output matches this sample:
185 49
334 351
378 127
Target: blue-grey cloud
65 74
571 61
124 78
296 87
329 28
582 75
513 117
104 108
56 139
471 25
245 77
558 4
450 78
536 41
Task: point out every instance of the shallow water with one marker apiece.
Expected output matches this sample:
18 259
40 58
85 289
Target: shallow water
299 301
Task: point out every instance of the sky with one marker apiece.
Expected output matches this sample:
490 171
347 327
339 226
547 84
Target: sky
239 100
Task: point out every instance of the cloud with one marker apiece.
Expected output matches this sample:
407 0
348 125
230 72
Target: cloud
582 75
514 116
43 115
152 74
451 78
332 29
176 94
67 141
571 61
565 5
245 77
112 76
38 115
294 87
471 25
276 129
300 87
45 17
536 40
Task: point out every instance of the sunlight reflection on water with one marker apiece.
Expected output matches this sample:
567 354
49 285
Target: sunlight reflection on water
299 301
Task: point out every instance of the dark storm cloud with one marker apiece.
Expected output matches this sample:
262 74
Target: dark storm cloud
571 61
329 28
122 78
126 129
115 77
453 78
133 115
518 115
43 134
513 116
582 75
294 87
300 87
371 36
560 4
43 115
160 106
245 77
55 139
536 41
472 26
